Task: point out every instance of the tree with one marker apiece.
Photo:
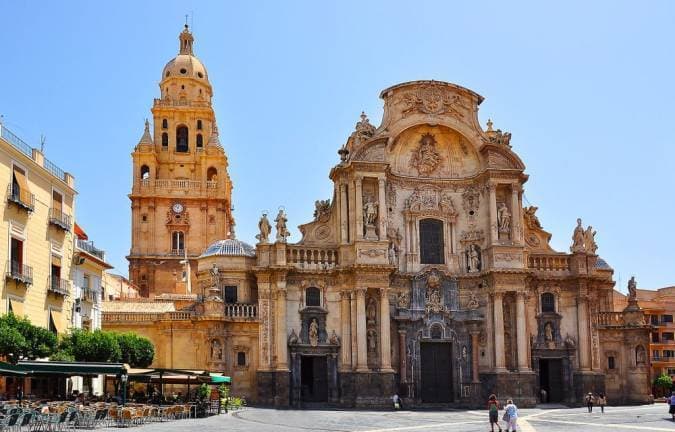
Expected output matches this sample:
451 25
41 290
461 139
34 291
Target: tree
663 382
86 346
137 351
19 339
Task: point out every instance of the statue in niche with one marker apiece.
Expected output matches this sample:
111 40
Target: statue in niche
578 238
216 350
446 205
464 352
632 289
282 231
473 302
293 338
548 332
370 212
640 355
426 158
391 253
589 240
314 333
372 341
371 311
215 275
403 300
473 258
434 303
265 229
334 339
414 201
503 218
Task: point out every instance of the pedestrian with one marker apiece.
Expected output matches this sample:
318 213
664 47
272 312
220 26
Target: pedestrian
511 416
671 402
396 399
602 401
589 402
493 410
544 396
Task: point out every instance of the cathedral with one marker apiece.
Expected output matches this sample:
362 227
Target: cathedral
423 275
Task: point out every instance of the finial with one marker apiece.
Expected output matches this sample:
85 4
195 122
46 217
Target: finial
363 116
186 40
489 125
147 125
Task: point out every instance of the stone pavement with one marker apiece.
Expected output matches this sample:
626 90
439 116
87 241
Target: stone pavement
634 418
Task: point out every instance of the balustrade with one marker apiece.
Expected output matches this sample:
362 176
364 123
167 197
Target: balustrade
241 310
312 258
554 263
610 319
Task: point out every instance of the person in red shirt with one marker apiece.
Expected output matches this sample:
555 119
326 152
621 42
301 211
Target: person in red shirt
493 410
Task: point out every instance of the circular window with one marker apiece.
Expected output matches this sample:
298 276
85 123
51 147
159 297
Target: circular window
183 71
200 75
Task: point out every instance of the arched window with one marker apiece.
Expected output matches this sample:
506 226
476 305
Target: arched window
165 123
212 174
547 302
182 139
313 296
177 242
436 331
431 241
199 124
200 141
165 139
145 172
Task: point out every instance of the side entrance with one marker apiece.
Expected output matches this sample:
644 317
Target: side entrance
436 372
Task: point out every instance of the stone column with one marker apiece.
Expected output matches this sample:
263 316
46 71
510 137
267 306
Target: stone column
494 232
521 333
344 215
515 214
353 330
346 348
382 210
385 335
402 356
362 349
474 357
584 343
359 209
498 308
282 346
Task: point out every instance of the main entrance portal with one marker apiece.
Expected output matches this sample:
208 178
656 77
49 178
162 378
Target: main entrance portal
551 379
436 371
314 379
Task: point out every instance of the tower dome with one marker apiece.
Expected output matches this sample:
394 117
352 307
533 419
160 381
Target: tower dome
185 64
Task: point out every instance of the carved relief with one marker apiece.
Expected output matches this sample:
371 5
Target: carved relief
426 158
471 201
321 210
372 253
403 300
472 303
430 200
433 99
531 219
374 152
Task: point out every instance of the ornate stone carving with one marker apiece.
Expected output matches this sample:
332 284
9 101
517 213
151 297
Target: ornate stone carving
504 218
374 152
632 289
578 238
372 342
570 343
334 339
322 232
589 240
471 200
507 257
473 258
314 333
531 218
391 196
372 253
265 229
363 128
434 302
216 350
403 300
321 210
497 136
293 338
370 212
473 302
426 158
472 236
282 231
430 200
432 99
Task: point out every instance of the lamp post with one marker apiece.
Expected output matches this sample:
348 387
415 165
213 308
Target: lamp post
124 377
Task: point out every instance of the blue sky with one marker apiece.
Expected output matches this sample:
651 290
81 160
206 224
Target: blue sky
586 89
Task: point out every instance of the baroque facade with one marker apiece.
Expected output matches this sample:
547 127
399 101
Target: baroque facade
422 275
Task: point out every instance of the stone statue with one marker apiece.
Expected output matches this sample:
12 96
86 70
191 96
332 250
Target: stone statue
370 212
589 240
473 302
391 253
640 355
473 258
334 339
578 238
426 158
503 218
282 232
314 333
447 205
321 209
414 201
293 338
372 341
371 311
569 342
265 229
403 300
216 350
632 289
531 218
215 275
548 332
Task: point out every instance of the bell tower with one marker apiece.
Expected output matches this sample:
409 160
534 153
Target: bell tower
181 193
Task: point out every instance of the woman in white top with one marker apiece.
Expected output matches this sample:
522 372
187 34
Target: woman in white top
511 414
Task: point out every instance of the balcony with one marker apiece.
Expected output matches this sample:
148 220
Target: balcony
610 319
550 263
308 258
21 198
88 246
178 186
58 286
59 219
177 252
241 310
89 295
20 272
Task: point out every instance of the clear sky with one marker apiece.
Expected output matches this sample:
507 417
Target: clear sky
586 88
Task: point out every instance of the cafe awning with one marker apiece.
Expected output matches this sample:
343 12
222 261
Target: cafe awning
8 369
71 368
217 378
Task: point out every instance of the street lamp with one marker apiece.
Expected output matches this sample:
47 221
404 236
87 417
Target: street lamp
124 377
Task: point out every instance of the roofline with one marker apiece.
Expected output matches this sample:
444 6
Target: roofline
443 83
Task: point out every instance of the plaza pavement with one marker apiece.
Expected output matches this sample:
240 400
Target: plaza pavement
543 419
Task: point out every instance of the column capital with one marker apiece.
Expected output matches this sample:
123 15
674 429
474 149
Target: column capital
403 332
281 293
358 179
380 181
384 292
360 291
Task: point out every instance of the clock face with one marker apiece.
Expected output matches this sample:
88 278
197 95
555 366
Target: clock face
177 208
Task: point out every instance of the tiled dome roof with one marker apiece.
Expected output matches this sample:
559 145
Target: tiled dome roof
229 247
602 264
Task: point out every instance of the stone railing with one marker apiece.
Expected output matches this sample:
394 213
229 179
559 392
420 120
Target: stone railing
182 185
311 258
241 310
610 319
549 263
146 316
